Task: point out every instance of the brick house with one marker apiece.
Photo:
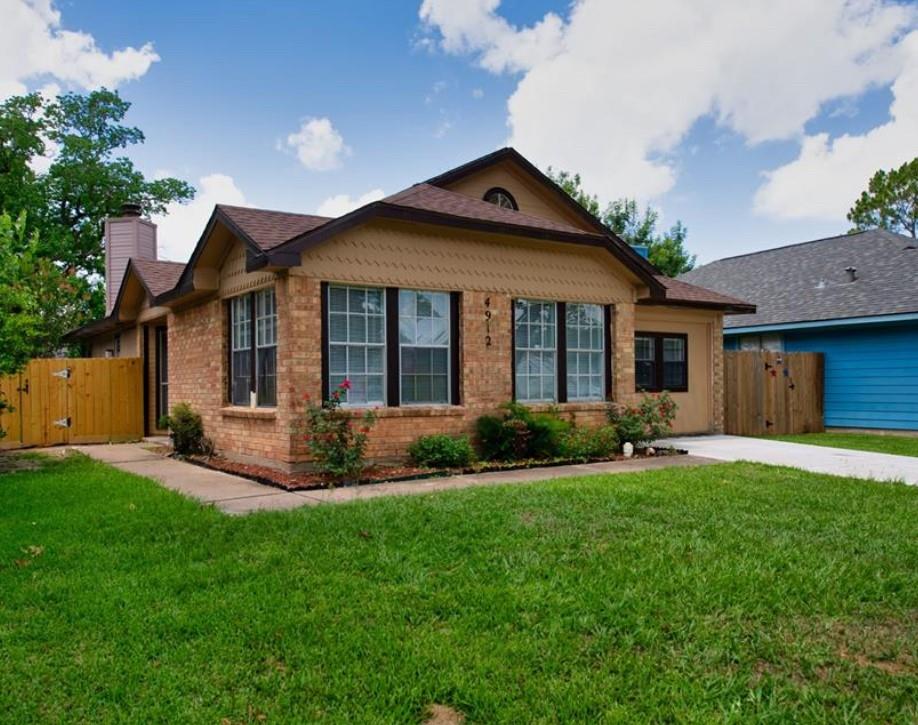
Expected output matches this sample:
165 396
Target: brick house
483 284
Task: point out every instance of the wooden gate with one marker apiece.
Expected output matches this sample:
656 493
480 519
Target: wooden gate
773 393
73 400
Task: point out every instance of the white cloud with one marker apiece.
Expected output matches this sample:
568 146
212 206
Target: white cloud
181 227
612 90
335 206
317 145
35 47
829 174
477 93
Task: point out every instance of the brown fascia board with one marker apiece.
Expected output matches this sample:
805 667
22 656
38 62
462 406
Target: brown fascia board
288 253
730 307
184 284
508 152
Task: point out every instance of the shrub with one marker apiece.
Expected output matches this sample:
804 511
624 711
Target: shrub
646 422
519 433
336 444
588 443
442 451
186 430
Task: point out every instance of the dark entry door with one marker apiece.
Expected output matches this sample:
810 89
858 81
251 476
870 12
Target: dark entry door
162 373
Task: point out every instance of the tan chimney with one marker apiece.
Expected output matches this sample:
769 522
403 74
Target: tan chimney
126 236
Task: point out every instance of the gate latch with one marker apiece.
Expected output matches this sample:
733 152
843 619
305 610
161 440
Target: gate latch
65 373
63 422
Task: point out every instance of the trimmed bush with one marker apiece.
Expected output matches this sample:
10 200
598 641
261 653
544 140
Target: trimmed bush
519 434
186 430
585 444
442 451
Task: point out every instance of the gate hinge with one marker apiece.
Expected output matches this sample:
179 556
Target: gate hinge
63 422
65 373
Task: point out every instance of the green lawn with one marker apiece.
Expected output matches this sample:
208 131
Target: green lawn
898 445
724 593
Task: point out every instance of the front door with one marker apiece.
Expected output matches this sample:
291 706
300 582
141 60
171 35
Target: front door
162 373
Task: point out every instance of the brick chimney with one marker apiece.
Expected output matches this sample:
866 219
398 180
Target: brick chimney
126 236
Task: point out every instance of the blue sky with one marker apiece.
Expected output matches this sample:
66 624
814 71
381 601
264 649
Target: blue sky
409 97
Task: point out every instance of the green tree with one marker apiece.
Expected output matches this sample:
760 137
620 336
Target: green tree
890 202
37 301
88 179
666 251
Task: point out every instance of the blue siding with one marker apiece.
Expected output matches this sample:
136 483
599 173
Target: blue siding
871 374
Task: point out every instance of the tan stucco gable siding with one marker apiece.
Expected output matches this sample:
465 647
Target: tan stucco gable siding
395 254
531 196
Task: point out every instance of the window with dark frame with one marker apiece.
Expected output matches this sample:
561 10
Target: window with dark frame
162 372
394 346
661 362
535 324
501 197
253 349
561 351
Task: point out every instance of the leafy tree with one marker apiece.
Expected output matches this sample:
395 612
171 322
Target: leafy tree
890 202
37 300
86 180
666 251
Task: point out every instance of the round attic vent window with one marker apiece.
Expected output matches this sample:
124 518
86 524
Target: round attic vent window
501 197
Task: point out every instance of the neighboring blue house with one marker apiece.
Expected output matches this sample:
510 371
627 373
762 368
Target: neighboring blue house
853 298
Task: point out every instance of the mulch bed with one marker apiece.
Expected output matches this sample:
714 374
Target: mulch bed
381 473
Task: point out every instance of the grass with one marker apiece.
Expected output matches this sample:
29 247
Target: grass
729 593
881 443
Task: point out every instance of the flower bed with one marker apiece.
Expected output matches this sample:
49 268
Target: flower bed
381 473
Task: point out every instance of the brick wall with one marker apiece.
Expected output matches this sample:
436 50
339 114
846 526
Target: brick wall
198 375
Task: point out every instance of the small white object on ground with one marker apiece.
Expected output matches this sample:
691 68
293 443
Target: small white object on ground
651 452
628 450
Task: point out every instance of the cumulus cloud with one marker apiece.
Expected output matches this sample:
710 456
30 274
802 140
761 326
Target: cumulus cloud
34 47
181 226
612 90
317 144
829 174
343 203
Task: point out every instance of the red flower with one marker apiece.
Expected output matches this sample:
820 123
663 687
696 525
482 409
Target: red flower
345 384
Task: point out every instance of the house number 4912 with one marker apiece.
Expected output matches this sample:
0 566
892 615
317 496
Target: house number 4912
487 322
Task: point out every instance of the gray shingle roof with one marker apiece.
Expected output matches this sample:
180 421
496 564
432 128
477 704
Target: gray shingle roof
808 282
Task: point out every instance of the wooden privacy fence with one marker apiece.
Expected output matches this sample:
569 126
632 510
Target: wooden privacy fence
773 393
73 400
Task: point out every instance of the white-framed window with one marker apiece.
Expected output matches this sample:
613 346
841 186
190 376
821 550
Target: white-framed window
240 349
535 340
253 348
357 343
266 347
424 347
585 352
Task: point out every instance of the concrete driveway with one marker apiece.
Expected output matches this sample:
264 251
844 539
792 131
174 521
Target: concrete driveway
819 459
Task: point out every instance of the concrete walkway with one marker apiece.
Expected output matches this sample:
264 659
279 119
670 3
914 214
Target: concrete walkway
819 459
237 495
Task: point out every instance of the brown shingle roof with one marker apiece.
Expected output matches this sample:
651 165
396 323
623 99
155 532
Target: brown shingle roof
158 275
682 292
442 201
270 228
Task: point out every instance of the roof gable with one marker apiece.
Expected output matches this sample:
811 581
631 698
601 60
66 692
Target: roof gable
808 281
534 192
